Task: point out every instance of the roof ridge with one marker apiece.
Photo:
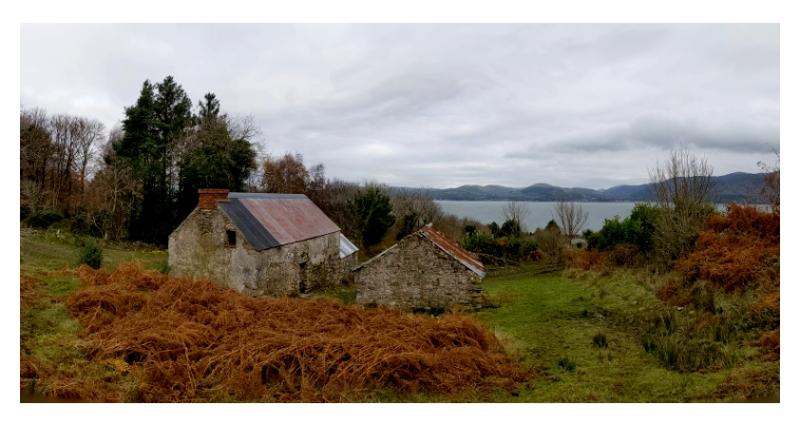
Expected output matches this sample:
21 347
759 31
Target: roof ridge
453 249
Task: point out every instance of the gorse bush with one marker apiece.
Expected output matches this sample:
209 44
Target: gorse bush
91 254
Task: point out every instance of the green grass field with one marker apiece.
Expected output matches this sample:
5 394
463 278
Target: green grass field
549 321
547 318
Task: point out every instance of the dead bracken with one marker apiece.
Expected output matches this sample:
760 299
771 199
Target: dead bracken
190 340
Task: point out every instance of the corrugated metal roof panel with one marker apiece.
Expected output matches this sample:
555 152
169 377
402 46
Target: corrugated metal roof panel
452 248
346 248
288 218
251 195
252 230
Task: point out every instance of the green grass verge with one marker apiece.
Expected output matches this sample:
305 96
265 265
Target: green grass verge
50 250
551 322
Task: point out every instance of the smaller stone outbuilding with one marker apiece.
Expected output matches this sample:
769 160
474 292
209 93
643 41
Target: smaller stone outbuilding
424 270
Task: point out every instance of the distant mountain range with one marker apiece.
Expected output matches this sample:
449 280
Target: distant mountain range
734 187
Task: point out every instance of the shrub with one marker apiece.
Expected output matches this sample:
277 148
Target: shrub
510 228
552 246
623 254
636 230
516 249
522 248
79 223
91 254
566 364
44 219
600 341
682 187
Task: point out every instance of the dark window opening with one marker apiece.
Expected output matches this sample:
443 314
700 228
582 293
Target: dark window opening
231 238
302 286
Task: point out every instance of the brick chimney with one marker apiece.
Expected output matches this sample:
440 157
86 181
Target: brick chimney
209 197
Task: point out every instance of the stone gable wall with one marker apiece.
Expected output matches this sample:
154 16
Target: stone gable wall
199 249
416 274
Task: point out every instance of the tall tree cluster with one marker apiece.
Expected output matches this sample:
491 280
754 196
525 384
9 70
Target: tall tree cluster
215 154
153 129
142 179
173 152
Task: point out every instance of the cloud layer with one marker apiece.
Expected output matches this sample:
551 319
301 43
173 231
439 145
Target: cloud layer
443 105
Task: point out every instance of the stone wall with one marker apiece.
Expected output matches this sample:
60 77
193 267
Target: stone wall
415 273
199 249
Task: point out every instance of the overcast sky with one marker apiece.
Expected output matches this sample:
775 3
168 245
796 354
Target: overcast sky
443 105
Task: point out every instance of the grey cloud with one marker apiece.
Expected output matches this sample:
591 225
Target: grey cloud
443 105
667 133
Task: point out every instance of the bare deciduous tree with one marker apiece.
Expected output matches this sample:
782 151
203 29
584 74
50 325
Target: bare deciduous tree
571 217
286 174
515 214
516 211
772 183
35 157
89 133
414 209
112 193
682 187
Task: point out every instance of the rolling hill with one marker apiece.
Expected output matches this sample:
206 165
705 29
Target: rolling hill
735 187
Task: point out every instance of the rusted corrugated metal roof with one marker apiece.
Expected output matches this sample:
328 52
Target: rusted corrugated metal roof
440 240
268 220
252 230
456 251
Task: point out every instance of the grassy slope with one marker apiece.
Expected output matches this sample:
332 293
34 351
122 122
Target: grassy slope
541 318
545 318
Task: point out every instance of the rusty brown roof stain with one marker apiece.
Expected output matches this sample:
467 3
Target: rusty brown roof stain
455 250
288 219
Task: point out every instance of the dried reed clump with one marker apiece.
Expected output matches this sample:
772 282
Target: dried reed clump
736 250
193 341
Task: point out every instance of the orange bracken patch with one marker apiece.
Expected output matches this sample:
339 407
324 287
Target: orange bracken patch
194 341
736 250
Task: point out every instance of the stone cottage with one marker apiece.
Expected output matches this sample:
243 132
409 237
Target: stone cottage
423 270
260 243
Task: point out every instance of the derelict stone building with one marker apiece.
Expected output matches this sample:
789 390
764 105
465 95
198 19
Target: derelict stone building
260 243
423 270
